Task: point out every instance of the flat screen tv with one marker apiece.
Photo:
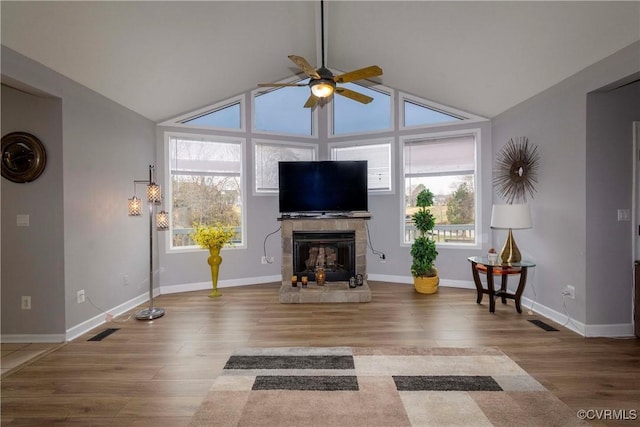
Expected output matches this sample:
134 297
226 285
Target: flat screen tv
323 187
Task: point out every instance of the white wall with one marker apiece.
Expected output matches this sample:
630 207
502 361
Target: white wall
104 148
610 158
33 261
556 121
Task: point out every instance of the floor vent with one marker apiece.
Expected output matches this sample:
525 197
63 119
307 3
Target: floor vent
543 325
102 335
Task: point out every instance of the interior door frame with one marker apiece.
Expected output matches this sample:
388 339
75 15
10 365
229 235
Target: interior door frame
635 245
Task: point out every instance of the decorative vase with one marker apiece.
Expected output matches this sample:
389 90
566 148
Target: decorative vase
214 261
426 285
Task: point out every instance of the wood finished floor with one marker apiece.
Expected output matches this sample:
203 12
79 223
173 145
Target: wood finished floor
157 373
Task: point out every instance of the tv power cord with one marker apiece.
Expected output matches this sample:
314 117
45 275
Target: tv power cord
380 255
264 245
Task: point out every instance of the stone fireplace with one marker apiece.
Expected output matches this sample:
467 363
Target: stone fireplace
339 244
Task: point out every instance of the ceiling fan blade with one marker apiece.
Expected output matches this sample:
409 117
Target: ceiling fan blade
364 99
280 84
312 101
304 66
363 73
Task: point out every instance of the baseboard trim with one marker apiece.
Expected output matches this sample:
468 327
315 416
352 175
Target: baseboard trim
623 330
620 330
464 284
199 286
84 327
32 338
551 314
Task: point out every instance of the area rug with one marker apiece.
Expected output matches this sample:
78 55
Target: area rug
378 387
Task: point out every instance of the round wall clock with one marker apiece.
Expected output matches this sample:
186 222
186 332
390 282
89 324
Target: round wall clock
23 157
516 170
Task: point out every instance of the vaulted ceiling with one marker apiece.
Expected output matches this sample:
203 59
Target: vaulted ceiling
162 59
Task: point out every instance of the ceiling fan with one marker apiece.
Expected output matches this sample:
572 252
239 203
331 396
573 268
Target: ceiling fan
323 83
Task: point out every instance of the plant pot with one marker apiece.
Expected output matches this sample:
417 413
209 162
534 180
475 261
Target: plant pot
426 285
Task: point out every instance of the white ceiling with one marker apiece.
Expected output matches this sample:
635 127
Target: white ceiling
162 59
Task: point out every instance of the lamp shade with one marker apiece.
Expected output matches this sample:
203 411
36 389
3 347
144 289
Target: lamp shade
154 194
135 206
162 220
322 88
511 216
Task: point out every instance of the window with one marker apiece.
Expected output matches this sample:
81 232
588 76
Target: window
446 165
419 115
350 116
206 185
378 156
281 111
225 117
266 158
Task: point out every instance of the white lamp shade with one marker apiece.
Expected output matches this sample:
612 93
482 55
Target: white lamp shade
511 216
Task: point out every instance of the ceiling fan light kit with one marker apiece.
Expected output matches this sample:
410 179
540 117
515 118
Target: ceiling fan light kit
323 88
322 82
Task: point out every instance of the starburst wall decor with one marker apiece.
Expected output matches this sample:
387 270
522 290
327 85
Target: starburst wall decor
516 170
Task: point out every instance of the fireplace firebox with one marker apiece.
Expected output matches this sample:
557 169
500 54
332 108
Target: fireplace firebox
333 251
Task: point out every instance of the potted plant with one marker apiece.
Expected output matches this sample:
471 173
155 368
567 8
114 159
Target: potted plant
213 237
423 250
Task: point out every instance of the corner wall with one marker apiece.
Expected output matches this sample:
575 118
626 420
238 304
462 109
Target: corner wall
556 121
610 159
33 261
104 147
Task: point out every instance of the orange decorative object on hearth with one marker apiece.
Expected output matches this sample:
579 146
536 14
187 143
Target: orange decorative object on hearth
321 276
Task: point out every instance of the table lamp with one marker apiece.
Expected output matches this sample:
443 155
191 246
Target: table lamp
511 217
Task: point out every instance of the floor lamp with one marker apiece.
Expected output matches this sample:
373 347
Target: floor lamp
154 198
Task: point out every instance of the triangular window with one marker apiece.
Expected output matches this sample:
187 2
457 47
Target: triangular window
420 115
225 117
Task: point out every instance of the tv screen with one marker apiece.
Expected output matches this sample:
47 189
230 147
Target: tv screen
325 186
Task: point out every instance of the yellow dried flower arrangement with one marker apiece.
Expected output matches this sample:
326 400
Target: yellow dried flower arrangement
212 236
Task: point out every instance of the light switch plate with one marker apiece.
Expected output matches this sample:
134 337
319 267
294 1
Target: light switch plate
624 215
22 220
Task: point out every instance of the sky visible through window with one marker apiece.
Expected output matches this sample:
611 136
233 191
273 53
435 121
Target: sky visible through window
225 117
350 116
418 115
282 111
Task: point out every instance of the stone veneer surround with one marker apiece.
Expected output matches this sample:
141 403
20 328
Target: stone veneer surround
332 291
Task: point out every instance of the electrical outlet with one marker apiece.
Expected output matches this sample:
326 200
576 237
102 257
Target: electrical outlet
264 259
26 302
267 259
80 296
125 280
569 291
